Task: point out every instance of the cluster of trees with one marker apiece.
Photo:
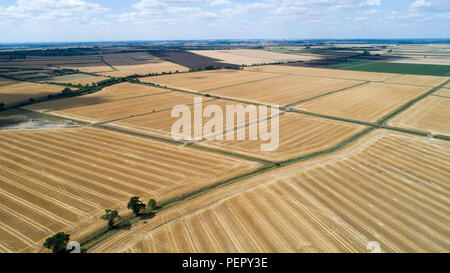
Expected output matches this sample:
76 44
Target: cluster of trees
210 67
58 242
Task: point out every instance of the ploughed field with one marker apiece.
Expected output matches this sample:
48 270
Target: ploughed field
62 180
386 187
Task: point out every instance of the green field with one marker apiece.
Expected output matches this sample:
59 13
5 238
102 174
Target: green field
399 68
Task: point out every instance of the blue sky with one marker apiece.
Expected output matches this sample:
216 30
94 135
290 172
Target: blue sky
116 20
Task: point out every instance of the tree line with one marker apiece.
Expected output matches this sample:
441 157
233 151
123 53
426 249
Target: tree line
58 242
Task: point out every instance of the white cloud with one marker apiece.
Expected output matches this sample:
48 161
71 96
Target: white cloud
431 5
371 3
220 3
50 10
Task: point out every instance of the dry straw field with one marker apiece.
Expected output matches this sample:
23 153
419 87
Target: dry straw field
431 115
251 57
369 102
388 187
283 90
61 180
119 109
445 92
324 73
418 80
138 63
160 123
76 79
299 135
17 91
207 80
112 93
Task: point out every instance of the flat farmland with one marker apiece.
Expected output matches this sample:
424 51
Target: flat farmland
445 92
431 114
108 94
62 180
283 90
17 91
76 79
114 110
207 80
100 67
369 102
419 80
250 57
390 188
324 73
447 85
160 123
298 135
138 63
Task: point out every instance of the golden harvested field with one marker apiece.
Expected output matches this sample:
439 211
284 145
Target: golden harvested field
207 80
75 79
160 123
17 91
324 73
445 92
50 61
89 67
250 57
431 114
108 94
369 102
138 63
283 90
62 180
390 188
109 111
419 80
447 85
298 135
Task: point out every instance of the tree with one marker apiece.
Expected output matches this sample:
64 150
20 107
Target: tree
109 216
57 243
136 205
66 90
152 204
2 105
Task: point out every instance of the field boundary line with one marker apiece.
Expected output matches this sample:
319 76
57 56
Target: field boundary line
328 93
102 58
95 103
180 143
237 84
406 106
370 124
376 81
189 196
148 113
444 97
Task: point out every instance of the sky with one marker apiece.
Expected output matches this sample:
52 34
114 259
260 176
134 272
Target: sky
121 20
